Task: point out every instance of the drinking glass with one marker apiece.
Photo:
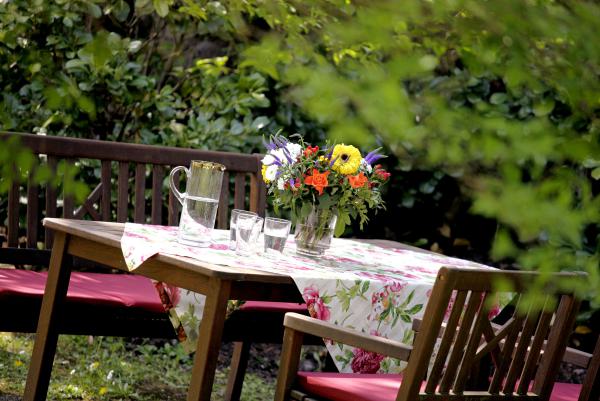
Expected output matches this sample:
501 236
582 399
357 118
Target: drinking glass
247 231
200 200
276 233
235 213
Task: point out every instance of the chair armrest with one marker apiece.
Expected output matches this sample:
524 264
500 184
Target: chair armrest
346 336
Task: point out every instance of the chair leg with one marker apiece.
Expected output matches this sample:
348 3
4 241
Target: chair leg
237 370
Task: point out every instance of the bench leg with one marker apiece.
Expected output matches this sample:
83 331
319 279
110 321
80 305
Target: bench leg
44 347
209 340
237 370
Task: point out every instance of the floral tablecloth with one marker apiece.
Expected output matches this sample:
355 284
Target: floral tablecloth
356 285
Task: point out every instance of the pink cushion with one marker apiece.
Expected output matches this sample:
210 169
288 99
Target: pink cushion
350 386
384 387
264 306
565 392
94 288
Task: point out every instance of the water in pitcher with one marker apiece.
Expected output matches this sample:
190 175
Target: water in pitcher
197 220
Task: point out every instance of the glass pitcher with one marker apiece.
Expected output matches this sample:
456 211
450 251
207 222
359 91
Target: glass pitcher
200 201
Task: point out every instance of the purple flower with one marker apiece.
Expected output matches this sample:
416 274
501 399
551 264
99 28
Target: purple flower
373 156
332 162
269 145
275 161
279 141
287 155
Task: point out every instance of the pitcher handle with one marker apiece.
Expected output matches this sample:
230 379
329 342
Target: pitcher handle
178 194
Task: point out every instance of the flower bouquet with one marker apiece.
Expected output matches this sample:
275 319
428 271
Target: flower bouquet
323 188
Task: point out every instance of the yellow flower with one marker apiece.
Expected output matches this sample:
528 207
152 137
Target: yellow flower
347 159
263 172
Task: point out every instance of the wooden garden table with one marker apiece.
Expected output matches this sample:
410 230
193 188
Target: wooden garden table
410 271
100 242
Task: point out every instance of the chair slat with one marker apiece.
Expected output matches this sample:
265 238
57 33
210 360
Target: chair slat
222 211
13 215
105 173
518 359
557 340
33 217
50 202
507 350
428 334
68 200
139 210
158 174
239 193
534 351
474 340
446 342
462 336
123 192
493 341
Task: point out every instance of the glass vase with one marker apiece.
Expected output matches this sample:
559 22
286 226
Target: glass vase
314 233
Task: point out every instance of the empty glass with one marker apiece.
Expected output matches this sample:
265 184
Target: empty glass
276 233
247 229
235 213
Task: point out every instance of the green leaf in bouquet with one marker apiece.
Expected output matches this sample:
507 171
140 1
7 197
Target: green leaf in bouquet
305 211
340 227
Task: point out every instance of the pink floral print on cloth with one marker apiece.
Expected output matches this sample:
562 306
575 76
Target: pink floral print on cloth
356 285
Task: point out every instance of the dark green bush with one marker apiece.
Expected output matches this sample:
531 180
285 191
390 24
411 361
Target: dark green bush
112 70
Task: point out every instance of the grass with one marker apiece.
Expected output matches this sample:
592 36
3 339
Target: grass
111 368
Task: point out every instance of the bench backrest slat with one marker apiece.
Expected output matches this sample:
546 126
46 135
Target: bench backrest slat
223 200
105 174
140 196
157 179
32 212
13 215
131 184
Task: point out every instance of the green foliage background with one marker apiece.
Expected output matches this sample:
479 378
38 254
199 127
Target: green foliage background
116 70
490 110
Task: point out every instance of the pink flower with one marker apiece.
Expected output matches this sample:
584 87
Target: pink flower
219 247
395 286
365 361
316 306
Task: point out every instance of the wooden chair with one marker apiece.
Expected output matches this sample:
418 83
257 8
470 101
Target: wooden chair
521 370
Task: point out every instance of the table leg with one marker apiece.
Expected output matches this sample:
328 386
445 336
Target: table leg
44 347
237 370
209 341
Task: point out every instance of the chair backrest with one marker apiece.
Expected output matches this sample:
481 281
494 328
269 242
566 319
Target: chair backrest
130 185
526 352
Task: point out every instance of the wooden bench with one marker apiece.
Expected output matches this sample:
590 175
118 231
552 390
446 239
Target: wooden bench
129 186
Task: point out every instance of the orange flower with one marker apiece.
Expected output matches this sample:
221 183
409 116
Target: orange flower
357 181
317 180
